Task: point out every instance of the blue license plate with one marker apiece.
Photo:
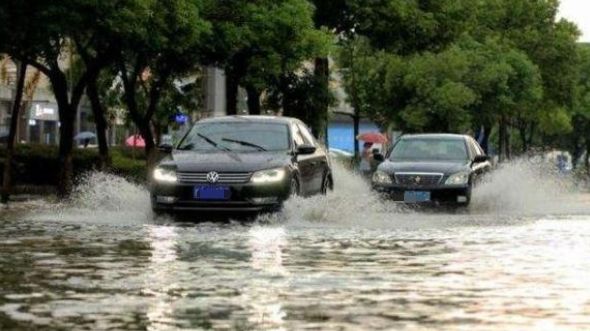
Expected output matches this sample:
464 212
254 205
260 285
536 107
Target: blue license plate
416 196
212 193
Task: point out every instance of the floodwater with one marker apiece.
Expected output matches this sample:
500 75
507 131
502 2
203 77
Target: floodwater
517 259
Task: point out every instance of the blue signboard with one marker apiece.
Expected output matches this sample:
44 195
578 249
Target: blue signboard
181 118
341 135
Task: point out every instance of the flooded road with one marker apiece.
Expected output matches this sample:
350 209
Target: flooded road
518 259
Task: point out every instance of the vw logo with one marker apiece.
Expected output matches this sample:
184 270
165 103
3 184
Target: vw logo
212 177
417 179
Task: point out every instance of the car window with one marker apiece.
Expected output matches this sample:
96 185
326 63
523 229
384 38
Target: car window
307 136
237 137
429 149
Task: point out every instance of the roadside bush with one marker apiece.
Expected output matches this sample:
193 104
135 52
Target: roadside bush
38 164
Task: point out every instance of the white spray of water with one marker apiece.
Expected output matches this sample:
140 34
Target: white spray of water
103 198
526 187
519 188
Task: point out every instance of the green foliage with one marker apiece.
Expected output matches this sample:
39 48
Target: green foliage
408 27
460 65
257 42
38 165
301 96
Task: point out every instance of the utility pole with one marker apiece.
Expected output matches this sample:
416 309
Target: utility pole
356 118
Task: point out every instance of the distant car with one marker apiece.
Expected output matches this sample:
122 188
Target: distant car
240 163
441 168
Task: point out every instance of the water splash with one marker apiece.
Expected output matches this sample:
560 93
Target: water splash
352 203
102 198
520 188
526 186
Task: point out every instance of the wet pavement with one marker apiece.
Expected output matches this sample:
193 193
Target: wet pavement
516 260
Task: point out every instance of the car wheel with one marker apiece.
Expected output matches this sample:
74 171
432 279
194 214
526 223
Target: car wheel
327 184
295 188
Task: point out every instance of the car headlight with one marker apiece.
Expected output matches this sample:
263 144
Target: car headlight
460 178
380 177
268 176
164 175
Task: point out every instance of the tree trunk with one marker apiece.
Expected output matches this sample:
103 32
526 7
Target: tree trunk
253 100
67 108
508 143
322 74
522 130
100 123
151 152
16 107
65 158
502 140
531 135
485 142
157 132
356 124
231 94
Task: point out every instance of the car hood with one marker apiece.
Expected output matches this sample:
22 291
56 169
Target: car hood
420 166
190 161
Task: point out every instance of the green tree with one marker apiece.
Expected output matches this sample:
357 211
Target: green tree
257 42
579 139
43 34
165 46
533 28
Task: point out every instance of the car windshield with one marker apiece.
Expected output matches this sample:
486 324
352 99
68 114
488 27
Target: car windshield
429 149
236 137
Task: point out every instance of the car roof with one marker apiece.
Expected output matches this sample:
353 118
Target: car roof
435 136
250 118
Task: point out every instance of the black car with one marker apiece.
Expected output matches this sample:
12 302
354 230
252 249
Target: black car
440 168
240 163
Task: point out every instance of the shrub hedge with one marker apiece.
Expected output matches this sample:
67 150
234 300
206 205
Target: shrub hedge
38 164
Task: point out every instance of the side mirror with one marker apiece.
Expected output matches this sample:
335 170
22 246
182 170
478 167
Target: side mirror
306 149
481 159
166 148
379 157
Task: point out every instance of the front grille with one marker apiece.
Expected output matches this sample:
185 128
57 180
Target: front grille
418 180
224 177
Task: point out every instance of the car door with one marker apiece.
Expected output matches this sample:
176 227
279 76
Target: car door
305 163
318 159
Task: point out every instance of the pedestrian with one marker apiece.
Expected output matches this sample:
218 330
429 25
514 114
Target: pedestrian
86 142
366 159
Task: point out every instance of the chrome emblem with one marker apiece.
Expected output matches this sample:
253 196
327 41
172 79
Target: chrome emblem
212 177
417 179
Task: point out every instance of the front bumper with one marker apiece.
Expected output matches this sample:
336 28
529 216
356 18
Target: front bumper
248 197
439 194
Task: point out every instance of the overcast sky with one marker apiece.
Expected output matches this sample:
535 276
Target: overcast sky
578 11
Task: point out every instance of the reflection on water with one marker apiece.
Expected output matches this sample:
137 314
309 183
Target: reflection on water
348 261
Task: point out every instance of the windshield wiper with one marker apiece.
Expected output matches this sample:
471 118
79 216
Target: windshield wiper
213 143
245 143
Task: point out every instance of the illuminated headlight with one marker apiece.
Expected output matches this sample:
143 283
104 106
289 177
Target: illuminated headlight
165 175
268 176
380 177
460 178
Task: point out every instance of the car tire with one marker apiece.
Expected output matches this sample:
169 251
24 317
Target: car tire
327 184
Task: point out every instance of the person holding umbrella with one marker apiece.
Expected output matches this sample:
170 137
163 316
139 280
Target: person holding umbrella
367 162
